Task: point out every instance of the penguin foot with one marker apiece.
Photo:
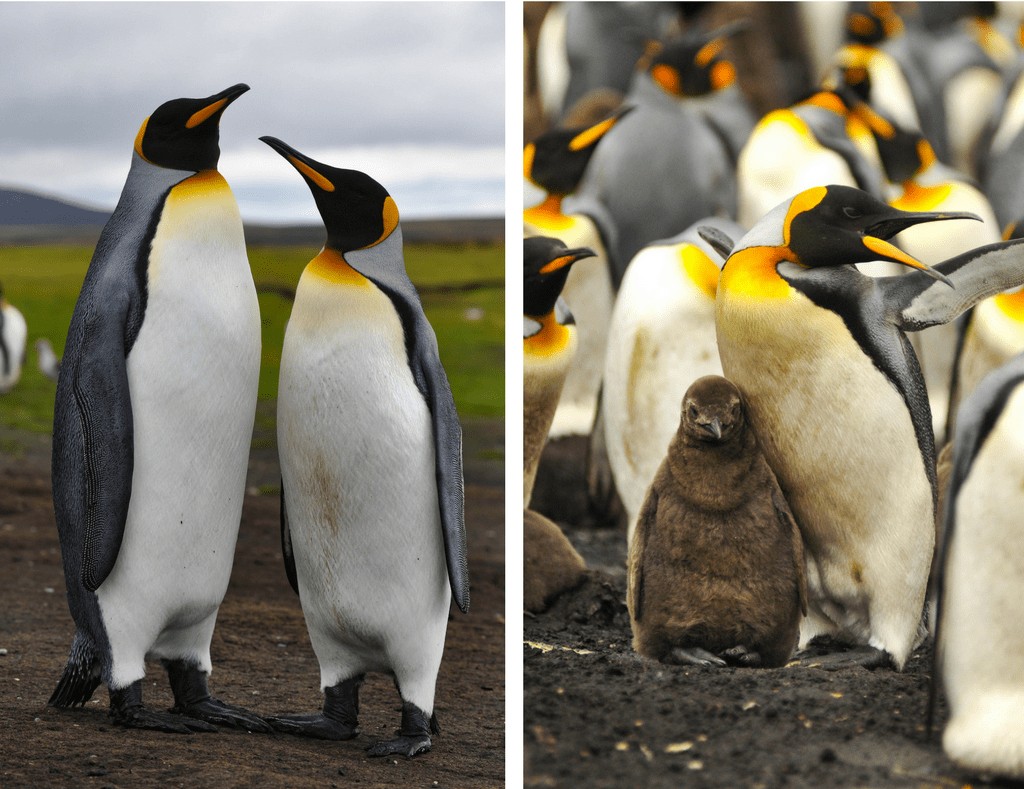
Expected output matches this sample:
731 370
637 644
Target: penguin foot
126 710
339 719
741 656
865 657
694 656
317 726
192 698
215 711
414 736
407 745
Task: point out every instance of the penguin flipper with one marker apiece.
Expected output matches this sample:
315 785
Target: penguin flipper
103 400
286 546
448 467
916 301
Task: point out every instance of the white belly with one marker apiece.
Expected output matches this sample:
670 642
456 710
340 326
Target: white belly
357 461
15 333
662 339
192 374
839 437
981 622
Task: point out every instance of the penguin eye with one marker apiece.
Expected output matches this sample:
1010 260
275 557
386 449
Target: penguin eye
852 213
692 412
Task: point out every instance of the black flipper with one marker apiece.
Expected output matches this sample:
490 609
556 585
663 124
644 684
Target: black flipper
286 546
104 405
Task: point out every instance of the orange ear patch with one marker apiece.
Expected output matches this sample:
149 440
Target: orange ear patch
668 78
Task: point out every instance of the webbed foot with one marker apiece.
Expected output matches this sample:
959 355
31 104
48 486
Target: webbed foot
338 721
126 710
192 698
865 657
414 736
694 656
741 656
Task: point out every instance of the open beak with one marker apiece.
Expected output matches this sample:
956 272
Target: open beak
876 237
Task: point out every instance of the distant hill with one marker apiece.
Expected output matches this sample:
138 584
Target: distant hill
25 208
28 218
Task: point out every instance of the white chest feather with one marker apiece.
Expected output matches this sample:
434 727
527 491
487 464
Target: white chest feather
662 338
12 338
840 439
357 460
192 376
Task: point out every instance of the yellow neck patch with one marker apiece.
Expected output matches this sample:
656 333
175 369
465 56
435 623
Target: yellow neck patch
788 118
751 273
921 198
202 184
827 101
332 267
548 215
700 269
552 339
1011 305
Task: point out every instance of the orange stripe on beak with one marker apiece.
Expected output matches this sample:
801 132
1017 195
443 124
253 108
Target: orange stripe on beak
888 251
557 263
205 113
311 174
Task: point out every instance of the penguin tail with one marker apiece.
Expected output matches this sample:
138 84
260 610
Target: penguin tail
81 675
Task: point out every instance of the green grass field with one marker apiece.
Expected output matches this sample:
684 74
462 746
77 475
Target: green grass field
43 282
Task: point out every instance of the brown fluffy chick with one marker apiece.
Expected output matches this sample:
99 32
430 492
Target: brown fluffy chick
551 566
716 567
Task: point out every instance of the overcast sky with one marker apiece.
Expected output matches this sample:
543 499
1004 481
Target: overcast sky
411 93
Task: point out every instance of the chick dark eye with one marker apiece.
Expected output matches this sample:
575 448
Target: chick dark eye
852 213
693 412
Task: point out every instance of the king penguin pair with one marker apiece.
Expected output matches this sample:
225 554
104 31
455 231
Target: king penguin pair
153 418
820 354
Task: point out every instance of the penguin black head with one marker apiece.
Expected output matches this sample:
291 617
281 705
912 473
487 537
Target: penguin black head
693 64
712 411
184 134
555 161
834 225
546 264
872 23
904 153
357 211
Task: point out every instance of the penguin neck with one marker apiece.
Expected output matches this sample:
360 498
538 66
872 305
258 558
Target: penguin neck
330 265
721 469
752 272
919 197
548 215
699 269
552 339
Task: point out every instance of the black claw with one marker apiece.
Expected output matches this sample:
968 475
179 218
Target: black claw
865 657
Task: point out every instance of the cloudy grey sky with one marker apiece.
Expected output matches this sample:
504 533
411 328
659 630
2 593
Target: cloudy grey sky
410 92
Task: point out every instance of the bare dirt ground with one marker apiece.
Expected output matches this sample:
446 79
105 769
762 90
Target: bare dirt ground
261 656
596 715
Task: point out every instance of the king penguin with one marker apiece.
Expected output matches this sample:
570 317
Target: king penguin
372 525
980 580
662 338
13 335
555 161
819 352
152 423
549 342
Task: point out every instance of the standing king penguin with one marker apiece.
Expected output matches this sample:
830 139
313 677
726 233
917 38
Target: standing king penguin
371 466
549 342
152 423
980 578
819 352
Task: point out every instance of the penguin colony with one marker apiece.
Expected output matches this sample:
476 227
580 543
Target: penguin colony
847 256
154 411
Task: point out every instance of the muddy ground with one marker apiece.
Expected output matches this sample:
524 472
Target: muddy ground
261 656
596 715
